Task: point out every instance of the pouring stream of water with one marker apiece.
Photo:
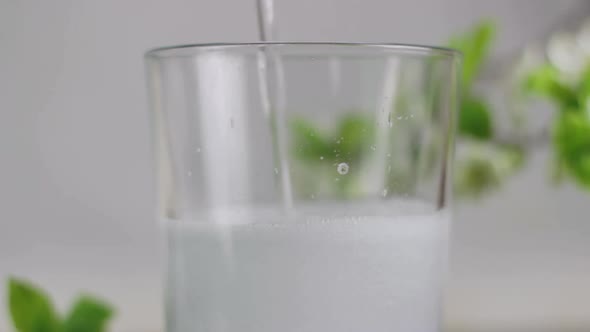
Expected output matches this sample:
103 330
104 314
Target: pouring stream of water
273 101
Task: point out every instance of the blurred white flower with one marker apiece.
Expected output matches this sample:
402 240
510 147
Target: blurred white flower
531 58
565 54
583 38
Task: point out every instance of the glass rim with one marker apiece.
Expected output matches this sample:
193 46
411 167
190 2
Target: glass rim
160 52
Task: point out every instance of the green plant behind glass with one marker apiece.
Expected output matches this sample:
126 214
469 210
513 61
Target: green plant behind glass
482 163
321 151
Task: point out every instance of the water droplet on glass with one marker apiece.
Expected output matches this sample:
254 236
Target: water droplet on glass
389 169
373 147
321 157
400 117
198 150
390 120
231 122
276 170
389 155
189 173
342 168
384 193
312 196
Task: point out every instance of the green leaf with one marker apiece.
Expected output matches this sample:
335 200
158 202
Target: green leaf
88 315
354 135
584 89
572 144
308 142
544 81
30 308
483 166
477 176
475 47
475 119
557 171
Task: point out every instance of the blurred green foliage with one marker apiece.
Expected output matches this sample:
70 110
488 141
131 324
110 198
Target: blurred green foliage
475 45
32 311
486 164
571 128
322 151
481 163
475 119
571 139
347 143
545 81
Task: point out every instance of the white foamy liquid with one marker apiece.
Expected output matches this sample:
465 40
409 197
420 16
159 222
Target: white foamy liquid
368 274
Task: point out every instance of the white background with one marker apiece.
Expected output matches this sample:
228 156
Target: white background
76 193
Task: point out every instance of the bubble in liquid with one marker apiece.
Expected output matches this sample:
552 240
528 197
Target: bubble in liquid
321 157
342 168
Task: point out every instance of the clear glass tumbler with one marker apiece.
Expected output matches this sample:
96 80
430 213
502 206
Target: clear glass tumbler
304 187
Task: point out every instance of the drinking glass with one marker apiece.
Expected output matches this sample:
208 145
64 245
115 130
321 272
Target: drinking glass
304 186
